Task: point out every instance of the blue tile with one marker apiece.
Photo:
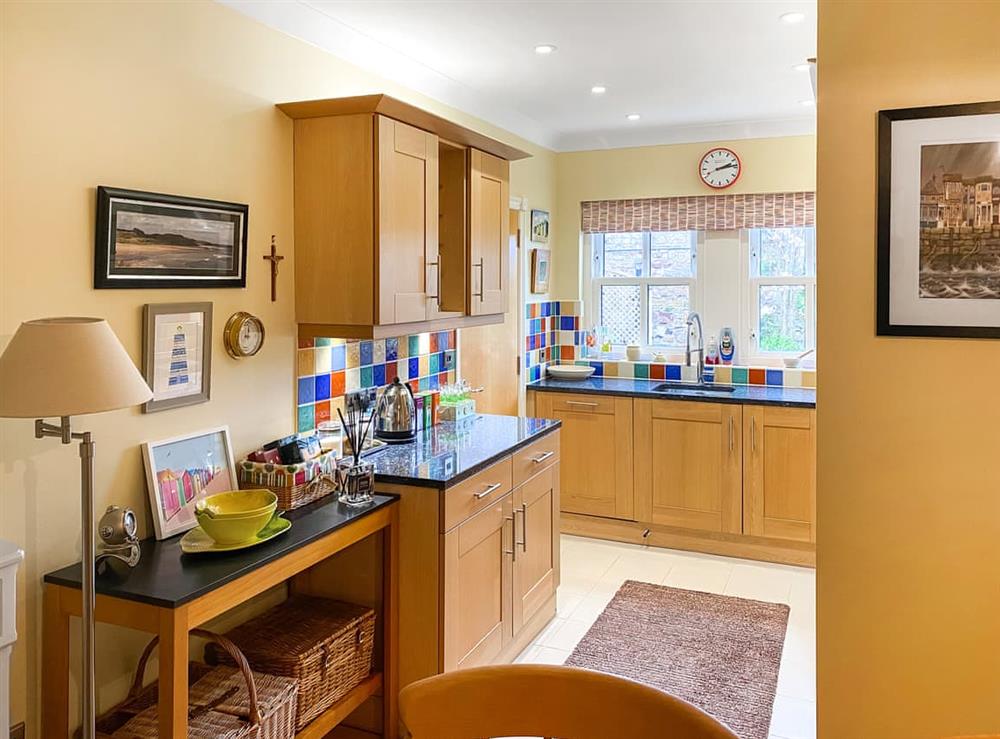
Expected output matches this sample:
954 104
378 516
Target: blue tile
378 375
307 390
554 309
673 372
367 352
367 380
434 382
338 357
775 377
414 367
323 387
391 349
598 368
443 341
567 323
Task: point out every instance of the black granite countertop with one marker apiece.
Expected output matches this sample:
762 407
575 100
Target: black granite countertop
451 451
168 578
796 397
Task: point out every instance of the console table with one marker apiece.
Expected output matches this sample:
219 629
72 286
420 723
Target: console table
169 593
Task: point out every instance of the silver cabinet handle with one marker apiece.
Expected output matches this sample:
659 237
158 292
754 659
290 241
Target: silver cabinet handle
524 527
488 490
437 271
513 538
753 434
582 403
482 279
731 424
542 457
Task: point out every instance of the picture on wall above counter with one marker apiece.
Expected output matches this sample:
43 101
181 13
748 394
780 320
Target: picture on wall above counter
539 270
540 226
939 221
150 240
177 354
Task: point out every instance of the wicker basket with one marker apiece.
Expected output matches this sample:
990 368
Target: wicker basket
225 703
325 644
295 485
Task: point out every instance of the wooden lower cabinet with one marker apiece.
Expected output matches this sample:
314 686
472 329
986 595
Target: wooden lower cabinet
536 545
688 464
596 451
478 590
779 473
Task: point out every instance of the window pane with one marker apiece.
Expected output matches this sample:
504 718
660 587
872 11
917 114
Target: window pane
782 318
671 254
623 255
669 306
620 313
783 252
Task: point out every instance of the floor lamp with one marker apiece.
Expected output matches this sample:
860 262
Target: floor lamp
58 368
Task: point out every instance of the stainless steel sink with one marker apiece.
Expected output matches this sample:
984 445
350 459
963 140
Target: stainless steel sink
696 387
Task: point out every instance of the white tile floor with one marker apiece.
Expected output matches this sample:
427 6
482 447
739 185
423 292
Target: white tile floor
593 570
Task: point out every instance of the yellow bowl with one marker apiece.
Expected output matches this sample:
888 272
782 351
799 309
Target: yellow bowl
234 529
238 503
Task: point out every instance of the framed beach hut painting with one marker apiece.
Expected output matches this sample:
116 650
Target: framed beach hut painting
939 221
183 470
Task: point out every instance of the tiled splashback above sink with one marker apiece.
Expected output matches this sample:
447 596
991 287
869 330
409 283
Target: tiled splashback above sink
553 334
329 369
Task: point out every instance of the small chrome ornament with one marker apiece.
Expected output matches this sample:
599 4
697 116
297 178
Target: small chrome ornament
117 529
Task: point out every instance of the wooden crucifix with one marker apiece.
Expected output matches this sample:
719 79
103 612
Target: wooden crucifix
273 258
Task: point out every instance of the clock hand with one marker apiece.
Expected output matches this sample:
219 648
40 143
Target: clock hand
725 166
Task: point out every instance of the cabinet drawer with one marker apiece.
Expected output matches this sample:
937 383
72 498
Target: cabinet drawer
602 404
476 493
536 457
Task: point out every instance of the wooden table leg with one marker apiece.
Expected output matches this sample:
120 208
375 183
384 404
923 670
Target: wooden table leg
173 690
55 664
390 625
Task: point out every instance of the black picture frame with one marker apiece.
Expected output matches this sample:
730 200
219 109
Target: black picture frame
884 325
222 222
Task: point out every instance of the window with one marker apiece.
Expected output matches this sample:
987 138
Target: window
645 285
782 295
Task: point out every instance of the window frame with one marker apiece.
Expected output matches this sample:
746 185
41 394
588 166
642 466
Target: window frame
750 319
593 244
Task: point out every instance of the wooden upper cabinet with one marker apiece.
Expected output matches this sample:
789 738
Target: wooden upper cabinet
400 220
688 464
779 472
489 232
407 224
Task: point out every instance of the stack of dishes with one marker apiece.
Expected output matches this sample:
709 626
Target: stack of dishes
234 520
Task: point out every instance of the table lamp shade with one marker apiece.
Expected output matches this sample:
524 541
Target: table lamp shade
67 367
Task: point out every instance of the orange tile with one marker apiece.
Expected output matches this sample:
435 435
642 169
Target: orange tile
757 376
336 384
567 352
322 412
657 372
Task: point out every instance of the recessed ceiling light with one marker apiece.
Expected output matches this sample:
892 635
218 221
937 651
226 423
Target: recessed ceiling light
807 103
633 116
791 19
804 67
598 89
544 49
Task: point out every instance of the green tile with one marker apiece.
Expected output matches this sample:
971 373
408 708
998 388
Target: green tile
413 345
324 342
307 417
366 377
641 370
740 375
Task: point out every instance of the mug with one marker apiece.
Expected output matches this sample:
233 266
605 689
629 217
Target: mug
356 483
632 352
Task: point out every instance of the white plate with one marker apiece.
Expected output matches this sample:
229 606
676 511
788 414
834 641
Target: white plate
569 371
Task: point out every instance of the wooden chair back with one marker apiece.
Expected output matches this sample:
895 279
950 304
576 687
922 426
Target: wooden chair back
547 701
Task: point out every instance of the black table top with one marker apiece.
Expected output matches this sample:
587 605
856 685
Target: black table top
790 397
168 578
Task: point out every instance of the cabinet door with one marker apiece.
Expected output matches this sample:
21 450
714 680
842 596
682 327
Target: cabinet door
407 223
489 202
779 486
689 464
536 544
595 452
478 561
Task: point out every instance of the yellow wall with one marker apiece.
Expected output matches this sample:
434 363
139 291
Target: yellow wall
170 97
769 165
909 488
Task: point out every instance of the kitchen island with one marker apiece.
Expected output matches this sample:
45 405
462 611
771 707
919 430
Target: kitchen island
479 539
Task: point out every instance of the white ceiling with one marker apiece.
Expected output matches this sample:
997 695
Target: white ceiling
696 70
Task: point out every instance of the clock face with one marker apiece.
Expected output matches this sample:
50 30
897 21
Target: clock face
251 336
244 335
720 168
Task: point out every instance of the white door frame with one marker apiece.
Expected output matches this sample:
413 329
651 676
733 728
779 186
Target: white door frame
521 204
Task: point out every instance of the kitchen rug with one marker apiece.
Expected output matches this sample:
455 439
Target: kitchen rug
720 653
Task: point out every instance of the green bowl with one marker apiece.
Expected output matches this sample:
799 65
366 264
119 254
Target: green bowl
233 529
238 503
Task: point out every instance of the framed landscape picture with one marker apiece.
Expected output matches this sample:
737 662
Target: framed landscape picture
177 354
540 226
939 221
149 240
183 470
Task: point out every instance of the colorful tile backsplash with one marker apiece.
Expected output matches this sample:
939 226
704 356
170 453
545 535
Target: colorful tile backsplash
552 334
329 369
724 374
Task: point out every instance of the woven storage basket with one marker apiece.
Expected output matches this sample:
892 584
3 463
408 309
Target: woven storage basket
325 644
225 702
295 485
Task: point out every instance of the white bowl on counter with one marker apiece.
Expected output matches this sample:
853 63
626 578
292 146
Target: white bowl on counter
569 371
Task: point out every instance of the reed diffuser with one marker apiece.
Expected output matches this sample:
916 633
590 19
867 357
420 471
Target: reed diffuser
357 480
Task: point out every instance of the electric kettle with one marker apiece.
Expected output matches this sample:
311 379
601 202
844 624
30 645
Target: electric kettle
395 414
